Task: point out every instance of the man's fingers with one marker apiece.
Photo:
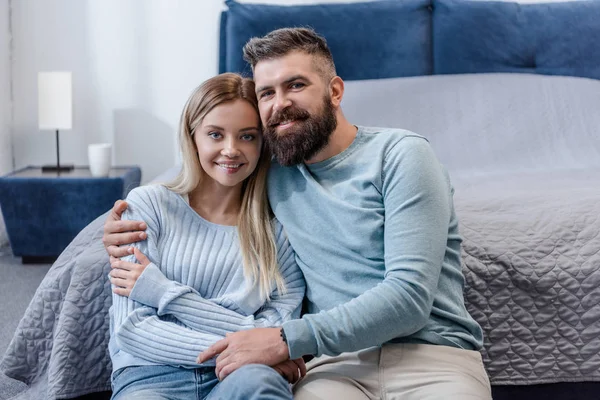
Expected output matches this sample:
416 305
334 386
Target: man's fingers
227 370
118 226
118 208
117 239
212 351
117 252
222 360
289 371
295 375
301 366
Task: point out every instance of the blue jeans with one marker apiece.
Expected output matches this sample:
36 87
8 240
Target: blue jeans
152 382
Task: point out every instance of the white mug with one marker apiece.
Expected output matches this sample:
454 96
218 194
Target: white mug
100 156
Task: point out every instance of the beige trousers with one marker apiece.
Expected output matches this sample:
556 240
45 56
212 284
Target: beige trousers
397 371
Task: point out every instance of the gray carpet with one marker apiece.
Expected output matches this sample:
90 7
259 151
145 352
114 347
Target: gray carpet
18 283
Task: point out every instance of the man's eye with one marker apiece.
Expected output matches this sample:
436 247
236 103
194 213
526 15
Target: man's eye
297 85
215 135
266 93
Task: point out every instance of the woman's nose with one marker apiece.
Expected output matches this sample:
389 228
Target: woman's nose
230 149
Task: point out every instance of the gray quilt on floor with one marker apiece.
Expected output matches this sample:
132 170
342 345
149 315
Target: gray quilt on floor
63 337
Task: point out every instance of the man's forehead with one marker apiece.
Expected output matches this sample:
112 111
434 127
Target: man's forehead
276 70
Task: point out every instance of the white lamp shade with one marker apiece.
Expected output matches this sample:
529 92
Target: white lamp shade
55 100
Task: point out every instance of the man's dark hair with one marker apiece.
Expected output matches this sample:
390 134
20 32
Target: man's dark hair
281 42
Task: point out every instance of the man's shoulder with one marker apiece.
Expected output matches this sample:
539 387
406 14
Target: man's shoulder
390 136
278 171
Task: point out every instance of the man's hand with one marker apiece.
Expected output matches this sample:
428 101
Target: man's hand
117 232
292 370
125 274
254 346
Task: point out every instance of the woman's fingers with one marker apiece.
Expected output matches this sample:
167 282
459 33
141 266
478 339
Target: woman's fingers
141 257
120 274
125 265
122 292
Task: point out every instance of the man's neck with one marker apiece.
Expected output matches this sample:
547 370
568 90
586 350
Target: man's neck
341 138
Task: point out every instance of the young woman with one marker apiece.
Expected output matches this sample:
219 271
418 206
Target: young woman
215 261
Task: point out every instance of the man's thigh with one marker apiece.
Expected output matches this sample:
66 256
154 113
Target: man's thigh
350 376
428 372
397 371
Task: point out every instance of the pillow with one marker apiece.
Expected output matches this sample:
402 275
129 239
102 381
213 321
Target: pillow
488 123
389 38
489 36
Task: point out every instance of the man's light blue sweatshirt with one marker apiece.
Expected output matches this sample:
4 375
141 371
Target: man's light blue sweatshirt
376 236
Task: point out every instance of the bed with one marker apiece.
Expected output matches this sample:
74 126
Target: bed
509 97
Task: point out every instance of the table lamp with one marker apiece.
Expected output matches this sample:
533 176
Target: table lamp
55 109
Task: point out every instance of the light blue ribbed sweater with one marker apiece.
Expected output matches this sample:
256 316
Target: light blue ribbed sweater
194 292
376 236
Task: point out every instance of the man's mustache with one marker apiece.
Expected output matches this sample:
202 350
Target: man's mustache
288 114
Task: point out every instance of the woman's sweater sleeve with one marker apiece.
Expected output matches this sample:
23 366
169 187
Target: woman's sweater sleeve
188 306
138 329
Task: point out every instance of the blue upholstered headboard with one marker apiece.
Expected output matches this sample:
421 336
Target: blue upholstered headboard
395 38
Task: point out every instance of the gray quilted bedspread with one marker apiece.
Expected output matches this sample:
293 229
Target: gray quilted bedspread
62 338
531 259
531 255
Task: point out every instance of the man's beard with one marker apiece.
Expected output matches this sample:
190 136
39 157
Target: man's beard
304 139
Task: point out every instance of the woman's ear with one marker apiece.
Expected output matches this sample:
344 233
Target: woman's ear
336 89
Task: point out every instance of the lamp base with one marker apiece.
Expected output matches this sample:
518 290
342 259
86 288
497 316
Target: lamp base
57 168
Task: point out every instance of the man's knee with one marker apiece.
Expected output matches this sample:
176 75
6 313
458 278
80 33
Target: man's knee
325 386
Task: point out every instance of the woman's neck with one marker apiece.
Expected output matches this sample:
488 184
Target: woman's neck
216 203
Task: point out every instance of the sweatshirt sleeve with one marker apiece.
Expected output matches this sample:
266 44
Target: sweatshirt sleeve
138 328
184 303
417 201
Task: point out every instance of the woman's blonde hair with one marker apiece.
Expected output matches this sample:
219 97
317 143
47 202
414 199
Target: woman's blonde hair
255 228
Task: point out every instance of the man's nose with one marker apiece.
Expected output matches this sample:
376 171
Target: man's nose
281 102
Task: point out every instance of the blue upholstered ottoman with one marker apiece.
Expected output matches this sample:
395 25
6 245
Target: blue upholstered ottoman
44 211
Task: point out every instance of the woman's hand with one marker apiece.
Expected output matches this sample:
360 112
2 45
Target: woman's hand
292 370
124 274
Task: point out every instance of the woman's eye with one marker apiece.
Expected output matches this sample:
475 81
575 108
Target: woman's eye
214 135
248 137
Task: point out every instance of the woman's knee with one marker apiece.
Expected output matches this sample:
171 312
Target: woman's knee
256 381
258 374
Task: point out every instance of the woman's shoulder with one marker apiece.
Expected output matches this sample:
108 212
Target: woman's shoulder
279 233
149 194
277 227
